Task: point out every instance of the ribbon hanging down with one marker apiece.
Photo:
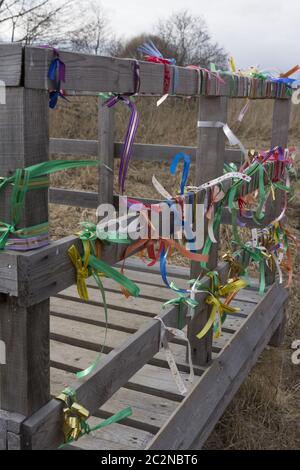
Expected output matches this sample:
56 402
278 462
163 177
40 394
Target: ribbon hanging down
176 333
132 127
233 140
56 74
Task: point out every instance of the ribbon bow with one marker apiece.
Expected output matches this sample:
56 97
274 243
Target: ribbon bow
75 417
219 308
235 268
181 300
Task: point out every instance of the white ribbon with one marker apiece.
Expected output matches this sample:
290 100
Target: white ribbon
170 357
162 99
233 140
220 179
160 189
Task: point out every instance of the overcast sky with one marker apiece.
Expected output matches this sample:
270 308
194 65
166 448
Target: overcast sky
254 32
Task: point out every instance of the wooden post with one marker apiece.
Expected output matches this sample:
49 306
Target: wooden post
106 153
24 379
280 131
209 165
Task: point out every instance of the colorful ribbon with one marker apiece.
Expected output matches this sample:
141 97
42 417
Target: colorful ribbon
75 417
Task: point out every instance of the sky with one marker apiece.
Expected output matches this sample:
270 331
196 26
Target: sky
254 32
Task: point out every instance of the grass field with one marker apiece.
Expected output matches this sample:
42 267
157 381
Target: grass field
266 411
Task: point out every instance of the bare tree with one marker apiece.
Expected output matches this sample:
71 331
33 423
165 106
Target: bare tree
190 41
28 21
130 48
93 35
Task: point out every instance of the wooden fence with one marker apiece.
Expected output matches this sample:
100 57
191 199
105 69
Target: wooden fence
29 419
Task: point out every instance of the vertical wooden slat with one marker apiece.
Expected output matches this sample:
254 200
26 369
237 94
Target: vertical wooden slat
24 379
106 153
280 132
209 165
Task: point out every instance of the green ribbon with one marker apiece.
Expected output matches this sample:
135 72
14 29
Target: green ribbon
32 177
96 266
85 427
181 300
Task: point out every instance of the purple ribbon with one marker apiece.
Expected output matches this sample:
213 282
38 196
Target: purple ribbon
133 124
57 74
26 244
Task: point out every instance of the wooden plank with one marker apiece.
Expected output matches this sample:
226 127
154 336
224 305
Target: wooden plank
208 400
280 131
24 141
11 64
114 437
150 379
14 441
74 147
47 271
9 273
124 321
69 197
90 336
149 411
209 165
3 434
141 152
43 429
109 74
117 301
106 153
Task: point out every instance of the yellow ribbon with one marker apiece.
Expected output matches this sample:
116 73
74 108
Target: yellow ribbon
74 416
219 307
81 266
232 65
235 268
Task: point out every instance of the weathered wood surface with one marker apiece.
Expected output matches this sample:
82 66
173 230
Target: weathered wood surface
43 428
11 64
77 334
141 152
106 131
109 74
24 379
47 271
205 404
209 164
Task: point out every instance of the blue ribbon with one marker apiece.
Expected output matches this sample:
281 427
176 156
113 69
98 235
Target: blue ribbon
163 271
185 171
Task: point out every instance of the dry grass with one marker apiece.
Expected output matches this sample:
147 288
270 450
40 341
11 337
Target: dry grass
265 413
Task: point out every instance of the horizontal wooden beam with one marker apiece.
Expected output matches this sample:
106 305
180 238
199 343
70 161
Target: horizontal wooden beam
141 152
43 430
94 74
89 200
203 407
37 275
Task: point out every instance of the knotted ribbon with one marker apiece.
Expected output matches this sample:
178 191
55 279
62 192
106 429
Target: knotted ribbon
219 308
75 417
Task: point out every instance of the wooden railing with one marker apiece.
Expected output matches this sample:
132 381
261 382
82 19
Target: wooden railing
28 280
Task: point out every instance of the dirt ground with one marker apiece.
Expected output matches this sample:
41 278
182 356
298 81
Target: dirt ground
265 414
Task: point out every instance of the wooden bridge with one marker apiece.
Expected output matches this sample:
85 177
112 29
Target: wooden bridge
50 333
